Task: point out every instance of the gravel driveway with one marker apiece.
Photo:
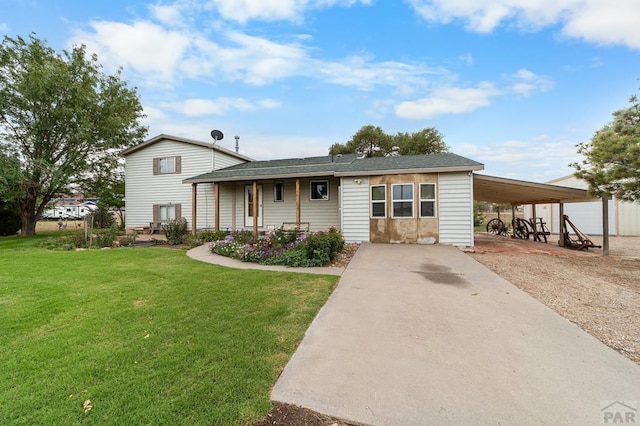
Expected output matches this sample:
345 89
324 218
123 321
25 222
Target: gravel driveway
599 294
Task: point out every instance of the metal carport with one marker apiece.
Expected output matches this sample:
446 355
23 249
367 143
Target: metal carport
500 190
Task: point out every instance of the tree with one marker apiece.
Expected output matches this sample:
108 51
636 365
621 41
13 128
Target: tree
612 158
425 141
62 118
9 179
108 188
374 142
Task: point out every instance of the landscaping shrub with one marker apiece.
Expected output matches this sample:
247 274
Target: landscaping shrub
175 230
9 219
289 248
71 241
208 235
102 218
107 238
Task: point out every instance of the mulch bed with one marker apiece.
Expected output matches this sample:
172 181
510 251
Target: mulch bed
291 415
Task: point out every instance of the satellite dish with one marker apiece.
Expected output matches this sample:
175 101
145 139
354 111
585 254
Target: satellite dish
217 135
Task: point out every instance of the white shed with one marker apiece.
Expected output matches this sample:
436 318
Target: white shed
624 217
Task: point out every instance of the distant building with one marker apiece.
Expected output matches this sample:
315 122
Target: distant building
624 217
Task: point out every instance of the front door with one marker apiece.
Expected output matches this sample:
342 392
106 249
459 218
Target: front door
249 199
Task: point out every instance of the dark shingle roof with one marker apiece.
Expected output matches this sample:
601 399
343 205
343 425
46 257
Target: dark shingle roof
339 165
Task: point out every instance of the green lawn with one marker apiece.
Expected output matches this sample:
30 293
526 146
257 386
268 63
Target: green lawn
148 335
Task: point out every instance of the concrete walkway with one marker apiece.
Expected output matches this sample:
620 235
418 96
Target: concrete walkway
203 254
425 335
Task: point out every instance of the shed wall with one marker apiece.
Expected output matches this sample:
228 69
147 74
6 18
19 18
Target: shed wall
355 209
456 208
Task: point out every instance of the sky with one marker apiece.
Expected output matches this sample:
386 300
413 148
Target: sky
513 84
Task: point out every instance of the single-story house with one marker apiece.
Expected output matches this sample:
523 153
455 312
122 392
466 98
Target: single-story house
401 199
623 217
154 171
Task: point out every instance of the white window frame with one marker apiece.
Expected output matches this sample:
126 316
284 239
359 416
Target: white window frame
324 197
166 208
394 200
421 200
275 197
383 202
167 165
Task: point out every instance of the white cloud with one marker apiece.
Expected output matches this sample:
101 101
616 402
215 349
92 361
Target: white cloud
4 26
167 14
364 73
162 57
525 82
596 21
145 47
199 107
448 100
515 158
273 10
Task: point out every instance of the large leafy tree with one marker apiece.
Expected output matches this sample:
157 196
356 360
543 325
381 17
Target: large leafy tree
109 189
9 189
425 141
374 142
611 163
62 118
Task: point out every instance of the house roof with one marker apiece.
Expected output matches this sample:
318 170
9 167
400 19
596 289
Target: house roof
162 137
339 165
510 191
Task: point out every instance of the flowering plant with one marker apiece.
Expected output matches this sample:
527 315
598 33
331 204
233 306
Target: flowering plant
282 247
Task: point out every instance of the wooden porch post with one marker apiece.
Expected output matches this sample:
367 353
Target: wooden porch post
605 225
256 199
562 230
194 208
298 201
216 192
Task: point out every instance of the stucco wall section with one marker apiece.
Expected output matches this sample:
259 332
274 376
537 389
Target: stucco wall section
404 230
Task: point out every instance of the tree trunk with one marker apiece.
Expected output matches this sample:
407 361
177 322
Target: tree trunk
28 216
28 224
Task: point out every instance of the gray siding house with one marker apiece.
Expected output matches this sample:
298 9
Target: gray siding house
423 199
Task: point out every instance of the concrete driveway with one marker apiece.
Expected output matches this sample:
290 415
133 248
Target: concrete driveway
424 335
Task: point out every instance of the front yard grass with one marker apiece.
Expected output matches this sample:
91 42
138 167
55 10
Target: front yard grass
145 335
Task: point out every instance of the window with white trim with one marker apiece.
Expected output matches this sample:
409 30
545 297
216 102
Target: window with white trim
278 191
167 212
167 165
319 190
379 201
402 200
427 200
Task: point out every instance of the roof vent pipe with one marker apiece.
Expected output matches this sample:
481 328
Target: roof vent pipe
237 146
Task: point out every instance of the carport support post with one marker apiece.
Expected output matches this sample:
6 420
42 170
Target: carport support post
513 219
562 230
605 225
256 200
533 222
216 194
194 207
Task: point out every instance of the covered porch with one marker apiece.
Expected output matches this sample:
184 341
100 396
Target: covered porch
311 203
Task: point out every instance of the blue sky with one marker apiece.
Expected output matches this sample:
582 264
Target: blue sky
514 84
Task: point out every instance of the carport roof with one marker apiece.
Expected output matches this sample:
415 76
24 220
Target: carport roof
511 191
